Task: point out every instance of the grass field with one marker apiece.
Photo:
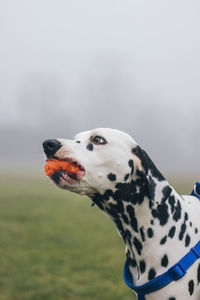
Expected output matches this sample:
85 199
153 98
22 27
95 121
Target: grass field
54 246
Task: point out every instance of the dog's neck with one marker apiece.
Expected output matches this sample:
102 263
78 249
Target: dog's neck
146 211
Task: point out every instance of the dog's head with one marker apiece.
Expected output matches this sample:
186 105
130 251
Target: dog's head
96 161
101 158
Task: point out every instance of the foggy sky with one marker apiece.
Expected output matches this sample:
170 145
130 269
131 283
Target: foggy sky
67 66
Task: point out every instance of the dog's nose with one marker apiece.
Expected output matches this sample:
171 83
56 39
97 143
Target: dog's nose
51 147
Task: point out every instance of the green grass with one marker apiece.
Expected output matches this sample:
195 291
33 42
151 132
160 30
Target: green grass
54 246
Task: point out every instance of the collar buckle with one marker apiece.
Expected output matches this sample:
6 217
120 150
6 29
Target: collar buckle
176 272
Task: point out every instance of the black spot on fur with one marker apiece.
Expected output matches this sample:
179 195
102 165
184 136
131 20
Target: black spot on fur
164 261
186 217
152 274
198 274
119 225
78 142
172 298
163 240
120 207
166 192
125 219
172 203
172 232
152 222
196 230
131 212
98 200
117 209
161 213
177 211
151 187
133 262
107 194
138 245
112 177
127 192
130 163
187 240
183 229
118 195
142 233
191 287
126 177
90 147
142 266
150 232
128 233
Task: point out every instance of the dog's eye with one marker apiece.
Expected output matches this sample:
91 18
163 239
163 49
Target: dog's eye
98 140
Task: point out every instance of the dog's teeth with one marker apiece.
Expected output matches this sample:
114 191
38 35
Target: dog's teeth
65 175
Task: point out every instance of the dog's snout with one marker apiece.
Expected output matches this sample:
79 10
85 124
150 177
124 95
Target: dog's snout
51 146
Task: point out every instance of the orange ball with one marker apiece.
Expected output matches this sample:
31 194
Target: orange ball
53 165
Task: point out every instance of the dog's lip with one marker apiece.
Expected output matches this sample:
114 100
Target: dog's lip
64 178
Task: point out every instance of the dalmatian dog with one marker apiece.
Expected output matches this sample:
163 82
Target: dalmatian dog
157 225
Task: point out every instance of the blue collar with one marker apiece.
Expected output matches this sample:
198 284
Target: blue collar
196 190
176 272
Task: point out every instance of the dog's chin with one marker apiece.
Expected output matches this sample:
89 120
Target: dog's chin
65 180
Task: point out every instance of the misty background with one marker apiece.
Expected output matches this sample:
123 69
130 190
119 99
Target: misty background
71 65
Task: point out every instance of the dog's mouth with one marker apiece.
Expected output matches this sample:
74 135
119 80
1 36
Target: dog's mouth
64 171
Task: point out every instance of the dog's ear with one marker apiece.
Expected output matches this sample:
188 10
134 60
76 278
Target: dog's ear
146 165
147 170
140 160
